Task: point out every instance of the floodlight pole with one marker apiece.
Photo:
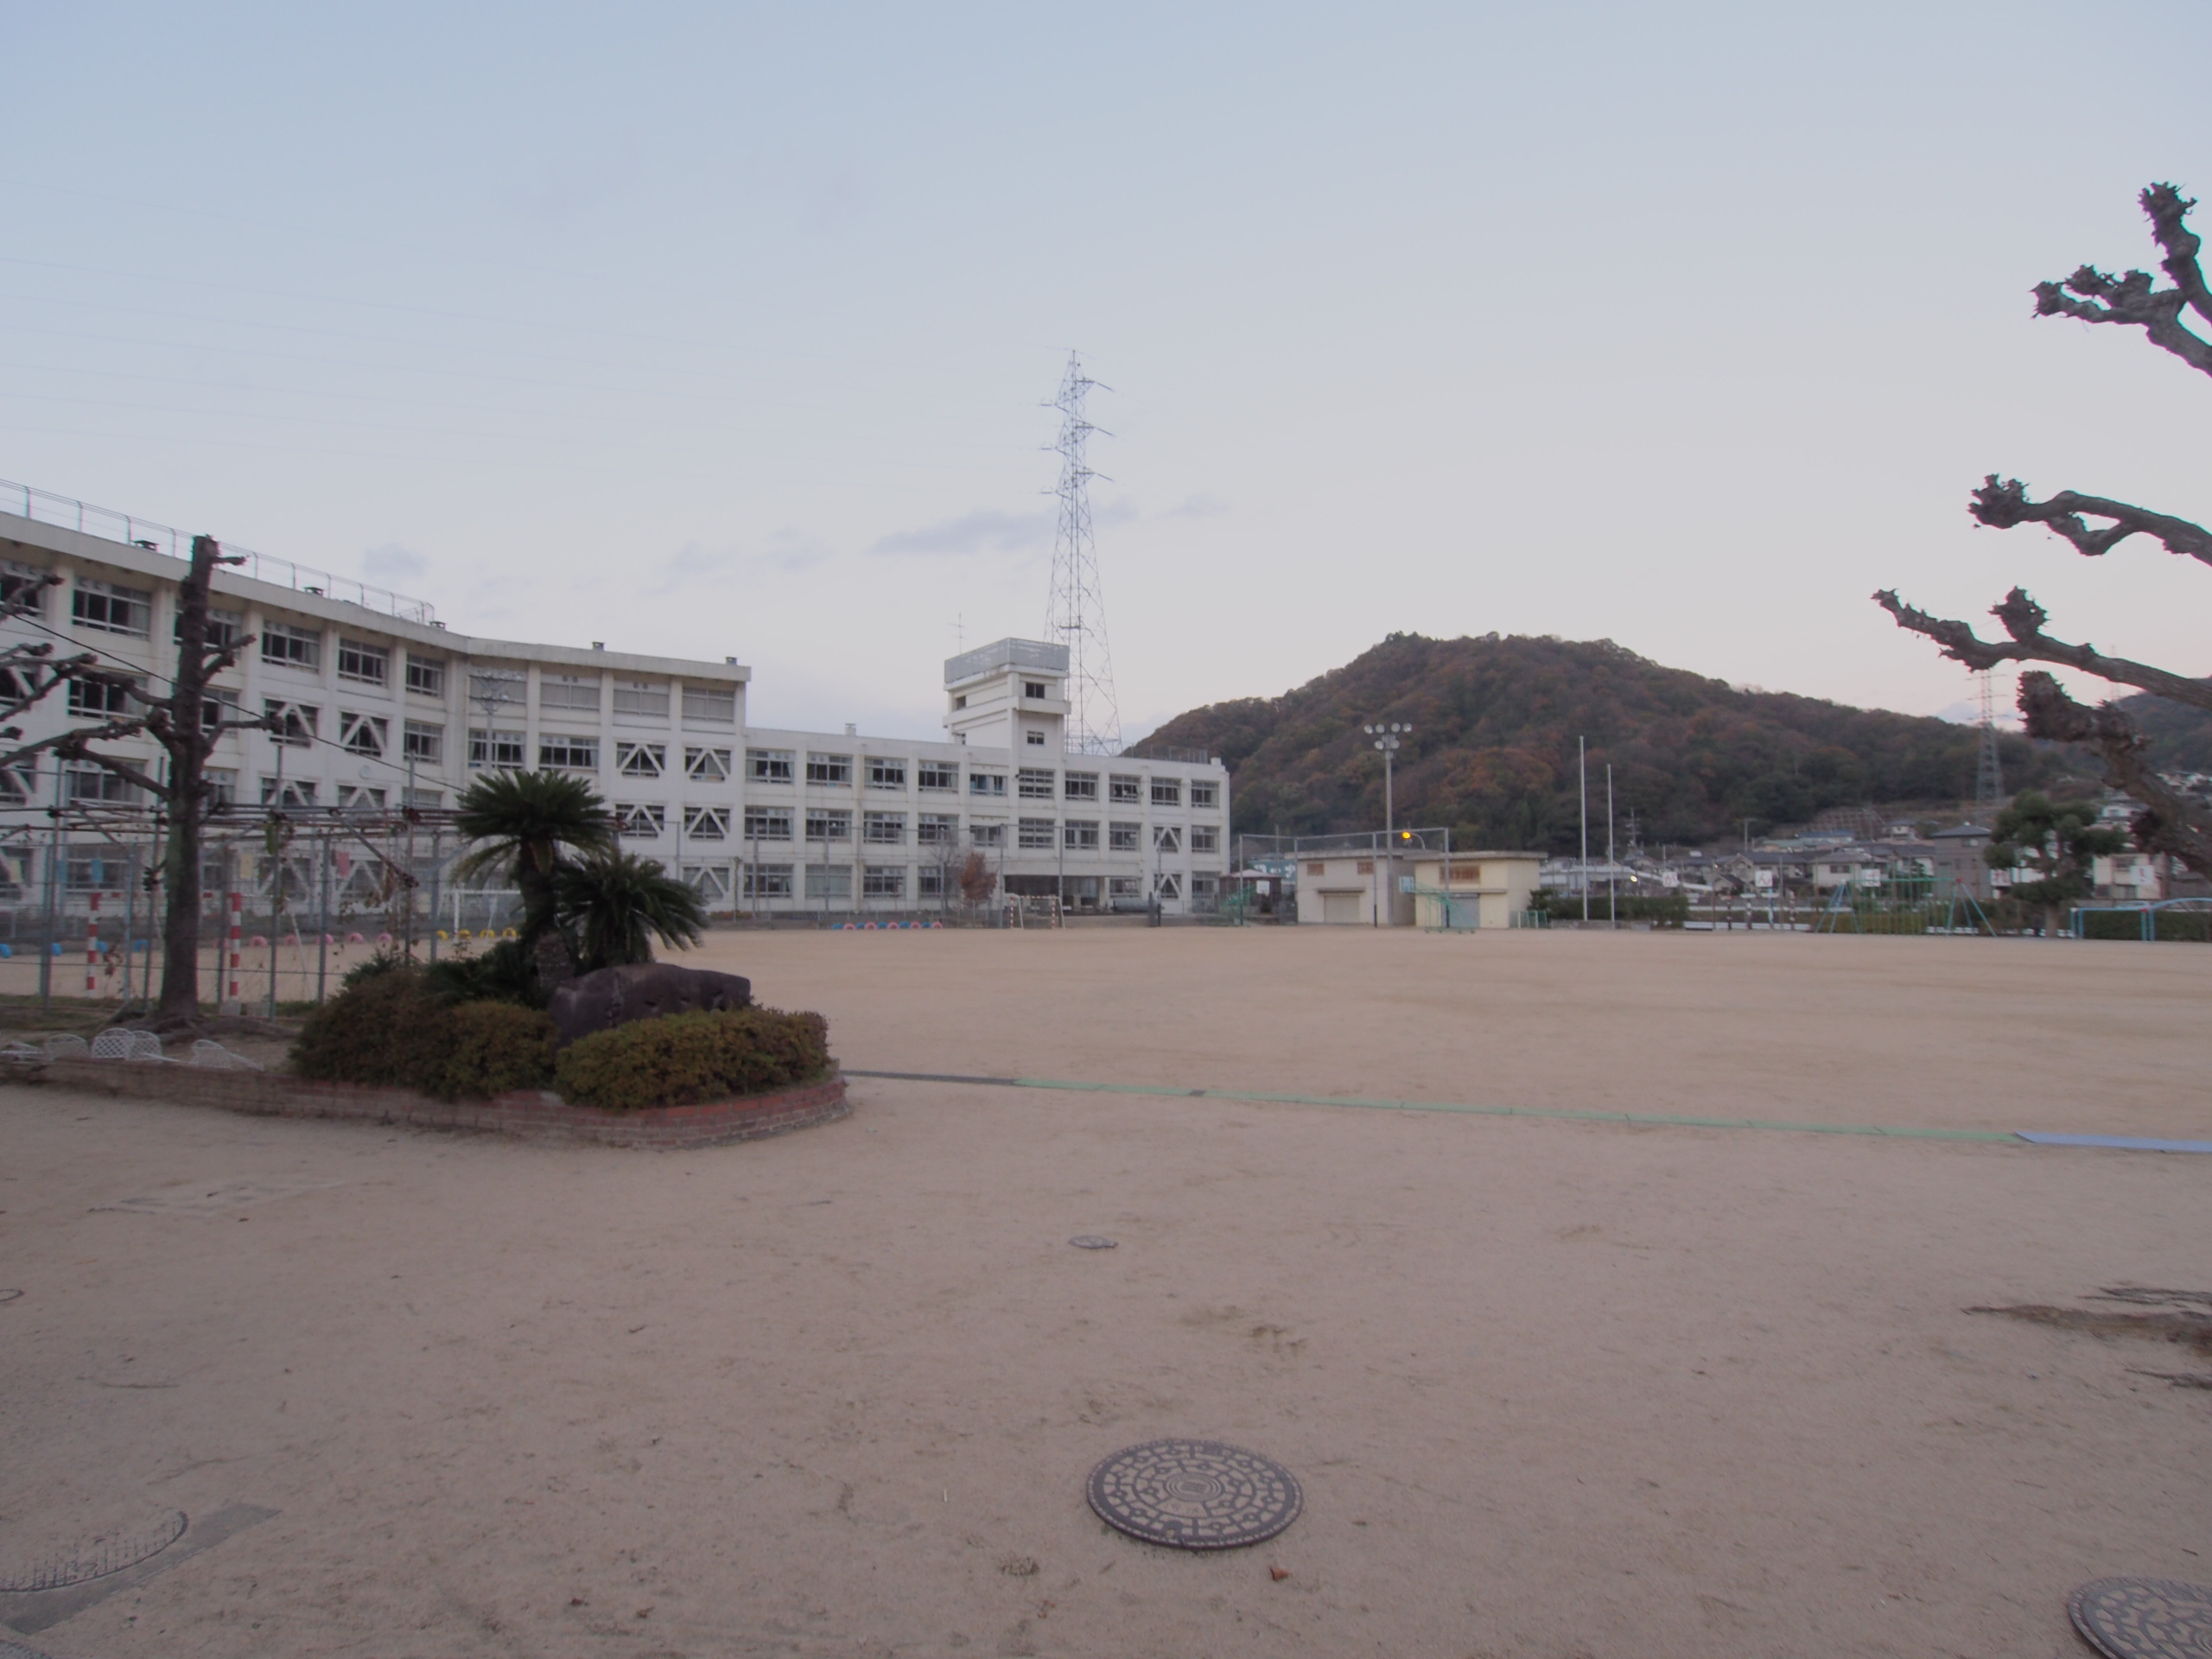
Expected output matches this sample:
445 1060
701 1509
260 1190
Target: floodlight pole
1386 738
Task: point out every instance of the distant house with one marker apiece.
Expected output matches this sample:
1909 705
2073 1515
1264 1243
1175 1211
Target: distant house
2127 876
1957 863
1769 871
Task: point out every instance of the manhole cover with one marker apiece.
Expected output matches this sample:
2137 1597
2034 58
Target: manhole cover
1195 1494
111 1551
2143 1618
1091 1241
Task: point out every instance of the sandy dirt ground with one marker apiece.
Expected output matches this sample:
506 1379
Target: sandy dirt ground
1553 1387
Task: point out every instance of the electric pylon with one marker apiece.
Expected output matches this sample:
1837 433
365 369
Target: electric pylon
1989 771
1076 615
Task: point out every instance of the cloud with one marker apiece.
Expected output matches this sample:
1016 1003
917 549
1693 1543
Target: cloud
785 551
392 565
1199 506
985 531
1969 713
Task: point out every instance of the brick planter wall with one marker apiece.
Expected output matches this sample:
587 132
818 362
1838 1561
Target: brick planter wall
268 1093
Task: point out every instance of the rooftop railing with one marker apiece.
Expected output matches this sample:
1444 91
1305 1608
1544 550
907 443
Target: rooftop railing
1005 653
44 508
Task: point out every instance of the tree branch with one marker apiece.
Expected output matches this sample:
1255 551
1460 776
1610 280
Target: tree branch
2002 506
25 598
122 769
2134 298
2165 824
39 679
2168 212
2024 619
65 743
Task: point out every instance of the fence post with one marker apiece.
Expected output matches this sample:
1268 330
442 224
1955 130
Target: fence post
130 922
53 898
237 906
322 932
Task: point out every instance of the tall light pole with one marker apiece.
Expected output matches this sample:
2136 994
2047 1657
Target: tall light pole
1386 740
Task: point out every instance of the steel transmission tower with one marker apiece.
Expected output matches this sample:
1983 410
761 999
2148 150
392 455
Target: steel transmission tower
1076 617
1989 771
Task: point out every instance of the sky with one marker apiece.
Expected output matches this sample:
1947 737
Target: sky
732 330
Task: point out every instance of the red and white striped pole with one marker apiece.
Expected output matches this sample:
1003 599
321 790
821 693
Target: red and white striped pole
237 904
92 948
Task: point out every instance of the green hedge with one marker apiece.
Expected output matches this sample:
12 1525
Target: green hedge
493 1047
684 1059
392 1028
1668 910
2193 926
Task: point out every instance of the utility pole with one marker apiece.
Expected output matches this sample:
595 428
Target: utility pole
1582 769
1386 740
1612 881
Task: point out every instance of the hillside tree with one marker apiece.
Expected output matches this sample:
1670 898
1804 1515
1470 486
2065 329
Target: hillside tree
2166 821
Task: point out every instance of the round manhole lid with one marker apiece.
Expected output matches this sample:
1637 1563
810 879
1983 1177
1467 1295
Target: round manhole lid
1195 1494
110 1550
2143 1618
1094 1241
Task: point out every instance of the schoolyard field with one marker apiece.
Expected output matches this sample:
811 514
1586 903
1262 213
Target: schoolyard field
1419 1216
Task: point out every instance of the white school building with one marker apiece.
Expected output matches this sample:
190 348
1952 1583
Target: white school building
381 705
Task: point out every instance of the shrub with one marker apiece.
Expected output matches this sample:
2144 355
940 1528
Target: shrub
394 1029
500 974
385 959
2166 924
386 1027
1667 910
683 1058
492 1047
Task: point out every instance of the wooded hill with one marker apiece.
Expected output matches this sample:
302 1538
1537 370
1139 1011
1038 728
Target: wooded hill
2181 737
1492 751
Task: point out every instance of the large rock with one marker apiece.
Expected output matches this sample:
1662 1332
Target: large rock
644 990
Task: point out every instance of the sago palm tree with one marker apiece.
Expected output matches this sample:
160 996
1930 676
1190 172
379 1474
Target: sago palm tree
614 904
522 822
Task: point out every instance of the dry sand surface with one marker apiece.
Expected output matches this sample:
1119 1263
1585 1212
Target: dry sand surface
1554 1387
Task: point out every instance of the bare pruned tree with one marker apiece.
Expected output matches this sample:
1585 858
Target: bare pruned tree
29 670
2167 822
186 723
